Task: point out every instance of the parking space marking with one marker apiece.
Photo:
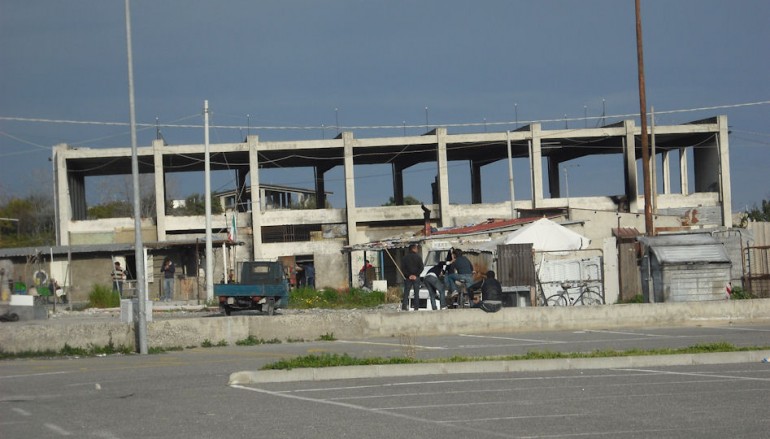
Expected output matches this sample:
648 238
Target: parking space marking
473 431
21 411
638 334
56 429
398 345
698 374
497 337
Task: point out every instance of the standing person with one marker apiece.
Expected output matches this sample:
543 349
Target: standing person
411 268
299 276
310 275
462 270
362 274
168 270
118 276
435 284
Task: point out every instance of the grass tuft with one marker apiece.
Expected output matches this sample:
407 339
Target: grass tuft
332 360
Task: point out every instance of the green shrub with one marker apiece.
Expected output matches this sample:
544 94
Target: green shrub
102 296
304 298
740 294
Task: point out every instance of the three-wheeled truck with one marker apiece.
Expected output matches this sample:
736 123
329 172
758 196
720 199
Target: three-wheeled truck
262 286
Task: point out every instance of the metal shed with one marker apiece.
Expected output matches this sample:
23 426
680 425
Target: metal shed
684 268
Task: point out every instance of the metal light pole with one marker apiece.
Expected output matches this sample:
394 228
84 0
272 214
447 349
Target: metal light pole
138 246
207 190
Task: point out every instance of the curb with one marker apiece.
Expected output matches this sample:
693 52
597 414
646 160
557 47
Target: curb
475 367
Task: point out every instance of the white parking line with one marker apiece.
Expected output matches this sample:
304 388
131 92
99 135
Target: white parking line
472 431
528 340
390 344
21 411
56 429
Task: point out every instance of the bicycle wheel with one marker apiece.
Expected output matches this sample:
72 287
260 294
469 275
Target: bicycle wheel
557 300
590 298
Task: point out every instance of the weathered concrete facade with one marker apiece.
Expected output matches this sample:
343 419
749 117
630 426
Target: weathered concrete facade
326 231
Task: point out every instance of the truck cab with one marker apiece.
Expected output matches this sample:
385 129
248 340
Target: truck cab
261 286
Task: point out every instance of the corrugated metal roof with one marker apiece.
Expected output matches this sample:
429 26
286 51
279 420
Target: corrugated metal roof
691 248
490 224
691 254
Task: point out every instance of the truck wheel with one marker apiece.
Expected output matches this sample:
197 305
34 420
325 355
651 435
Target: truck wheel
227 310
271 306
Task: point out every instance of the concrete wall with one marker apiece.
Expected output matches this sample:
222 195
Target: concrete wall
184 332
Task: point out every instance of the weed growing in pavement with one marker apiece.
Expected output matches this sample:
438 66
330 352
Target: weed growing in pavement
208 344
332 360
253 341
329 336
70 351
295 340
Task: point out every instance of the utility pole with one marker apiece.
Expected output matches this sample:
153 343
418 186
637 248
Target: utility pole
138 246
648 225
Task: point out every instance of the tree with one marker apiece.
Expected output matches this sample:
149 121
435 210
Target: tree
31 221
408 201
757 213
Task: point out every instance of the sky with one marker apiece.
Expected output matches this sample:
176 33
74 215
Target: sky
310 67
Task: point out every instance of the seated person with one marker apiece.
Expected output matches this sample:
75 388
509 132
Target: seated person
459 268
490 290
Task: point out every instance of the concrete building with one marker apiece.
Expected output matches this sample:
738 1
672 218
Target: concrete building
697 153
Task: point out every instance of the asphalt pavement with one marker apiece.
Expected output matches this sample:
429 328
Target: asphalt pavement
185 394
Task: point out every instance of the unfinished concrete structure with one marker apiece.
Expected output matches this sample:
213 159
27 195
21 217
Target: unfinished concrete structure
701 147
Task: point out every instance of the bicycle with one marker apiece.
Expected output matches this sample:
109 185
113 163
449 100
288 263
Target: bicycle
588 296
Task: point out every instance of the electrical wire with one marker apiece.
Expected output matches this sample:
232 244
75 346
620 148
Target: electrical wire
362 127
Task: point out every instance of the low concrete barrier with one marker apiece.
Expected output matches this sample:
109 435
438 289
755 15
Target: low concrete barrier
185 332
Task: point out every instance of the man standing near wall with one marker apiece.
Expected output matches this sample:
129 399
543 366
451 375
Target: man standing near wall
168 279
411 268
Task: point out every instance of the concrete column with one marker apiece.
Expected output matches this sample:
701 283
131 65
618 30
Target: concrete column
631 183
256 195
320 186
62 197
666 163
475 182
350 188
160 189
725 188
535 165
398 183
683 178
553 178
443 177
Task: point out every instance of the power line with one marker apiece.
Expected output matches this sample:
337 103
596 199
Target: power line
361 127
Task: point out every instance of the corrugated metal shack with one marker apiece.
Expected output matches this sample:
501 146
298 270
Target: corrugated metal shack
684 268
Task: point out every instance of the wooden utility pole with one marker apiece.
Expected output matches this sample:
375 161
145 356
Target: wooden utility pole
648 224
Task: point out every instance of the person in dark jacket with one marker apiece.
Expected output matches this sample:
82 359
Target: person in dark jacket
461 268
490 290
411 268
